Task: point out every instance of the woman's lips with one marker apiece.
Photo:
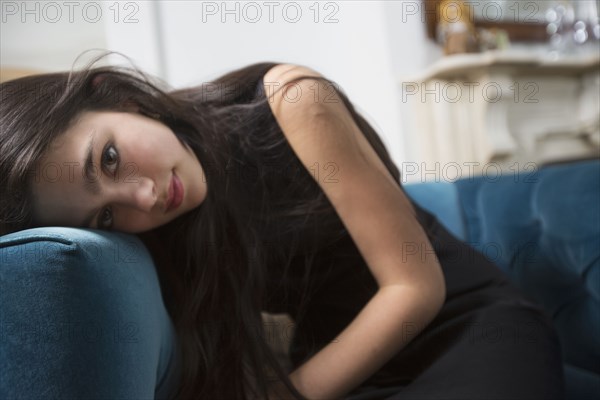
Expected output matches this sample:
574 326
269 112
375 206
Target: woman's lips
175 193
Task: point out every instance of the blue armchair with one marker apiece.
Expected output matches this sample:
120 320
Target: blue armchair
82 314
543 229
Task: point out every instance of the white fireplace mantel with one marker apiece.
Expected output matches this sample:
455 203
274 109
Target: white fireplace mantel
510 108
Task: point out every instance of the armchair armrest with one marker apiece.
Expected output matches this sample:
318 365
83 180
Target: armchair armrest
82 316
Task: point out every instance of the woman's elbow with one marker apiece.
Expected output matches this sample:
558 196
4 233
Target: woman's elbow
438 286
433 289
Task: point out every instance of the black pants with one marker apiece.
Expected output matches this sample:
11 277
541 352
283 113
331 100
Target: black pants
489 341
507 352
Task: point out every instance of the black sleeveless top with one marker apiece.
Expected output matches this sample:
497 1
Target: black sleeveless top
341 283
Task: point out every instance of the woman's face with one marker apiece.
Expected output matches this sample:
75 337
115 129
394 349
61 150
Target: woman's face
116 170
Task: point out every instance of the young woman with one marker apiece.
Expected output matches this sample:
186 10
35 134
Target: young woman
266 191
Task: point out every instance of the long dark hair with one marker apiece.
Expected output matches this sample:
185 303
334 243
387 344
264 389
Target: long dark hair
263 210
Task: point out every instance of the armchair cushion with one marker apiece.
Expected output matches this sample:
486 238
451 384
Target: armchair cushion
82 316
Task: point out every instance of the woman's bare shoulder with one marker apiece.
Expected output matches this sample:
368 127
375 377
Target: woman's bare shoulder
282 85
284 73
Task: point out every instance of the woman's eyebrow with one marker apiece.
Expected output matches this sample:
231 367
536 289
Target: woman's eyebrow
89 172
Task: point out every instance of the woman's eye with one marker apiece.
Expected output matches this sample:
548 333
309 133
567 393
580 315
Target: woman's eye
110 159
106 219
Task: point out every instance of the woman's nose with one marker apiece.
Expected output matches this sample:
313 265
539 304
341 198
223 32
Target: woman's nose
140 194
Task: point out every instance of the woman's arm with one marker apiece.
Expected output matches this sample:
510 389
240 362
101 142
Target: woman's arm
380 220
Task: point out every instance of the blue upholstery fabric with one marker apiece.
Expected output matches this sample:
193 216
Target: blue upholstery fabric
441 199
543 229
82 316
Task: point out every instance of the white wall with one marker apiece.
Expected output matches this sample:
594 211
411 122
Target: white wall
203 40
364 46
48 36
411 52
